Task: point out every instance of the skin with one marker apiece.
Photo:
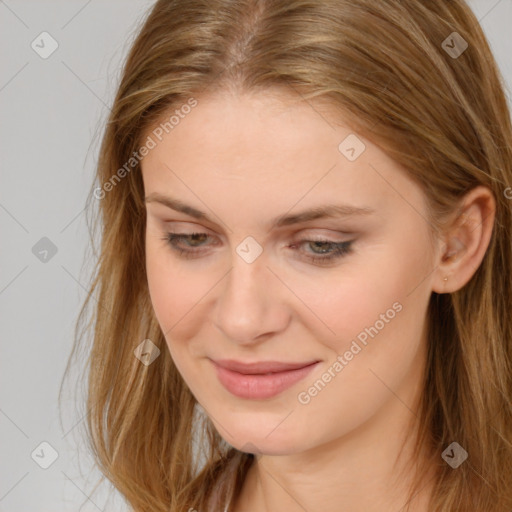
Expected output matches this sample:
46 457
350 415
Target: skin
245 159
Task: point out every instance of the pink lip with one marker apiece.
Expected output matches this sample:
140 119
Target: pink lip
249 380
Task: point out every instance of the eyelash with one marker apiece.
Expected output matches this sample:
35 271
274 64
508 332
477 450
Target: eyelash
340 248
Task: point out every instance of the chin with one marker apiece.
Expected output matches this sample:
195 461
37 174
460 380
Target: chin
265 447
262 437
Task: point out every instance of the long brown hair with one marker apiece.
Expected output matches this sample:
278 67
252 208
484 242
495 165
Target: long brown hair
397 72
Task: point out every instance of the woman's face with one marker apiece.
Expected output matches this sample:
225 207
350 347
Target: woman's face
344 296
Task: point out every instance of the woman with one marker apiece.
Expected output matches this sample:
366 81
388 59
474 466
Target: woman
305 275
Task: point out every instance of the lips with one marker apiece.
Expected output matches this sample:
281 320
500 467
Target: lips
260 368
260 380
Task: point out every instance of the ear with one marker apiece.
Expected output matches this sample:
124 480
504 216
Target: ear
465 241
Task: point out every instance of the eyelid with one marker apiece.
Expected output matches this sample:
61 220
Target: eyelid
325 232
304 230
189 227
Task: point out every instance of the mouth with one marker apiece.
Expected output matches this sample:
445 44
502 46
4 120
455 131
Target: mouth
260 380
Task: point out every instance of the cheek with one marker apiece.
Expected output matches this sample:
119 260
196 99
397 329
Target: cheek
166 289
177 297
379 326
382 296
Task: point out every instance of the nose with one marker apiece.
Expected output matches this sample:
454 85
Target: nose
251 305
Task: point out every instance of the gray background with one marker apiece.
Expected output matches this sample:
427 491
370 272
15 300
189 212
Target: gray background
52 112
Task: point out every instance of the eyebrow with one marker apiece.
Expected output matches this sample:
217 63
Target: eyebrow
319 212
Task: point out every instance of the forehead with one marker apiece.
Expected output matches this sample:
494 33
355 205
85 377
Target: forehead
249 135
258 123
257 150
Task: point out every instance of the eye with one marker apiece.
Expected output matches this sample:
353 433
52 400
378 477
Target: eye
173 239
330 250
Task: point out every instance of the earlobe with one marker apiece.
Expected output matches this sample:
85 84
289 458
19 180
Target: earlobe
465 242
453 251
